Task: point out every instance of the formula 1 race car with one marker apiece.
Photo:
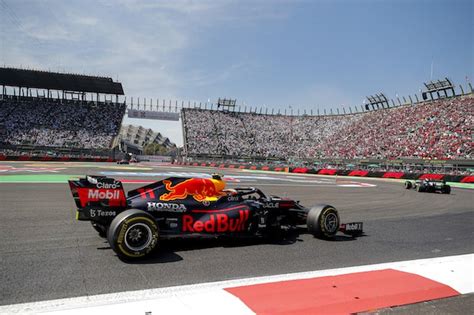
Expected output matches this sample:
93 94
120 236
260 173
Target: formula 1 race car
127 162
429 185
128 159
135 223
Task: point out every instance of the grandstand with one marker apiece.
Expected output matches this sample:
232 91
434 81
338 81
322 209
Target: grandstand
76 115
72 123
437 129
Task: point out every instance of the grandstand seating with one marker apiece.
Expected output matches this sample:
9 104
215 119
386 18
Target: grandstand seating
54 123
439 129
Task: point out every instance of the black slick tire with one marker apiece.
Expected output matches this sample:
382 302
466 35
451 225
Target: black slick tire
447 190
408 184
323 221
133 234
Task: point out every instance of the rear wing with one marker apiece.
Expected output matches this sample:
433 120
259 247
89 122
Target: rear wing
97 190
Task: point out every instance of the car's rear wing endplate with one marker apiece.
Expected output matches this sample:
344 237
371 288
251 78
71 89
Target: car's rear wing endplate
97 190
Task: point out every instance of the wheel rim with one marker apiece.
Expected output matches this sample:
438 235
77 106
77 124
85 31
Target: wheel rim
330 223
138 236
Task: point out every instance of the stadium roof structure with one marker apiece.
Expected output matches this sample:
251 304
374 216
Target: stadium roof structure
59 81
141 136
439 86
226 102
377 100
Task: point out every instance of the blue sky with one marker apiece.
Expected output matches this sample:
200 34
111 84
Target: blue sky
307 54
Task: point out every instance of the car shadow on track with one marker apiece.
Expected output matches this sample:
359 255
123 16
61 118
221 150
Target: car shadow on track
169 249
157 257
344 238
160 256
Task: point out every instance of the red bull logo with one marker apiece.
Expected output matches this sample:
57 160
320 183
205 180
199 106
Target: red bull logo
202 189
217 223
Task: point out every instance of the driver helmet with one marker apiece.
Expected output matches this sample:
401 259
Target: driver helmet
217 176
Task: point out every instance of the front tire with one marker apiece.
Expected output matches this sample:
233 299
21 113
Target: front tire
323 221
408 184
133 234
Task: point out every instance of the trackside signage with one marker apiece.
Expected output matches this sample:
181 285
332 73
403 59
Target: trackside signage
148 114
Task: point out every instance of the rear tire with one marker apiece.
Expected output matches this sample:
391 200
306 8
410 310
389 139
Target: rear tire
408 184
133 234
323 221
447 189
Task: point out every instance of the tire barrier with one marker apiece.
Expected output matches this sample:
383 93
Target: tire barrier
467 179
302 170
394 175
358 173
432 176
326 171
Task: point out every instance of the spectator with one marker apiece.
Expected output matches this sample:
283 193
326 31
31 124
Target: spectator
40 122
437 130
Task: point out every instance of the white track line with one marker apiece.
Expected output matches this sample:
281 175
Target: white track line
210 298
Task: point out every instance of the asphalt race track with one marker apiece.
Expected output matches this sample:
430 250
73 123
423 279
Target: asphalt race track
46 254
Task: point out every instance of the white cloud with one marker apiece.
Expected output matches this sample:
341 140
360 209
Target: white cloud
47 32
84 20
179 6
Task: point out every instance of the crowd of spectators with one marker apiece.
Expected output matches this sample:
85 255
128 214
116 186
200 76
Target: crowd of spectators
46 123
439 129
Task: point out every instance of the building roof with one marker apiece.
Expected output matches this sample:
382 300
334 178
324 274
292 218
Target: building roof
142 136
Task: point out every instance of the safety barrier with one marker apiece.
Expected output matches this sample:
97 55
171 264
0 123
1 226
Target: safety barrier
339 172
467 179
394 175
237 166
46 158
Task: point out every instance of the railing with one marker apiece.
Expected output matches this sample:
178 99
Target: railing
405 164
32 150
